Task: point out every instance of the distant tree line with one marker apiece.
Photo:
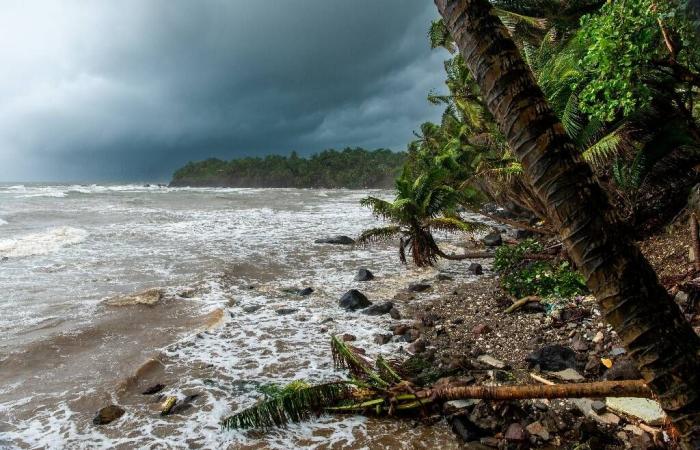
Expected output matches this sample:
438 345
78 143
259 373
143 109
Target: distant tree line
352 168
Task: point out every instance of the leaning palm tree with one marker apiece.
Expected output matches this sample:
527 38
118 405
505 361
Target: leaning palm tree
422 205
659 339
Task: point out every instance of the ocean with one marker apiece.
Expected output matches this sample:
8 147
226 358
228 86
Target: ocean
225 264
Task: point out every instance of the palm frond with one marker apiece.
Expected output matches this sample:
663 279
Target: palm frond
292 405
379 207
375 235
346 357
601 152
386 371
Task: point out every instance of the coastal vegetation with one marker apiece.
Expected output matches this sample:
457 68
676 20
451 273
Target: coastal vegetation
350 168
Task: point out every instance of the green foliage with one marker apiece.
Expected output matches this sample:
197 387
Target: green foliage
350 168
521 277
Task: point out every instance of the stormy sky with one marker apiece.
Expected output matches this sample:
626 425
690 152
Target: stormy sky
132 89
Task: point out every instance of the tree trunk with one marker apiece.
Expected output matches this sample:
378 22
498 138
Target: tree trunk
661 342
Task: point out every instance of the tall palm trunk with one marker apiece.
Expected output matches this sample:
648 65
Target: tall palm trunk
661 342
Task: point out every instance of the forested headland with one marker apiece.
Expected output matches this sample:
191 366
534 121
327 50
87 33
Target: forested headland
351 168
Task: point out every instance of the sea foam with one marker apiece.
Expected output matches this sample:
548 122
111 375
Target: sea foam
41 243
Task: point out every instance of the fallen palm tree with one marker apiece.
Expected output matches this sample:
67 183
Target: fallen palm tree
380 388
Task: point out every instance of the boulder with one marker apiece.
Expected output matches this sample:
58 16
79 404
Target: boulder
395 314
363 275
336 240
418 287
552 358
410 335
492 239
108 414
353 300
378 309
400 330
306 291
347 337
286 311
382 339
417 346
153 389
475 269
183 405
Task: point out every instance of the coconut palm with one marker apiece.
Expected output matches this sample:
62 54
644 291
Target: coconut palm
421 206
662 343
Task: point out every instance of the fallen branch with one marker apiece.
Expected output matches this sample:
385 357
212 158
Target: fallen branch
696 240
483 255
522 302
518 225
536 377
626 388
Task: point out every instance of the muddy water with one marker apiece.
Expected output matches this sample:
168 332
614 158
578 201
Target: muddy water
224 259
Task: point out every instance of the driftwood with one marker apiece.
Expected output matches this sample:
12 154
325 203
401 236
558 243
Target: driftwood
626 388
522 302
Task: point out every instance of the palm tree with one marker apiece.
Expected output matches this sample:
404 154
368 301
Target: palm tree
658 338
421 206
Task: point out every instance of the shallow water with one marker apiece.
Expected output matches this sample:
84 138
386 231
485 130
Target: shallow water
216 253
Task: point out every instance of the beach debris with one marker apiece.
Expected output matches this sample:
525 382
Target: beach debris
552 358
378 309
149 297
644 409
363 274
353 300
167 405
336 240
607 362
153 389
108 414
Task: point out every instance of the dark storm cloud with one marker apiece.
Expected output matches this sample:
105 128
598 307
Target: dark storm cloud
132 89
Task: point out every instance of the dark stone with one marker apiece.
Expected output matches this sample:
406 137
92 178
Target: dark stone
579 344
395 314
364 275
516 433
410 335
593 366
251 308
465 429
418 287
286 311
622 369
306 291
492 239
428 320
482 328
108 414
353 300
183 405
552 358
521 235
347 337
598 406
153 389
617 351
417 346
475 269
400 330
335 240
442 276
382 339
378 309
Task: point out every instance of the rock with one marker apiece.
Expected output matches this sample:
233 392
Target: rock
108 414
598 337
286 311
552 358
382 339
539 430
418 287
622 369
567 375
400 330
681 298
516 433
584 405
593 366
148 297
153 389
411 335
353 300
428 319
579 344
644 409
395 314
306 291
492 239
598 407
465 429
617 351
417 346
475 269
347 337
480 329
490 441
363 275
521 235
454 406
491 361
378 309
335 240
183 405
442 276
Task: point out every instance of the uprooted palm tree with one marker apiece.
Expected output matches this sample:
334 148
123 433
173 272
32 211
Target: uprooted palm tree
382 389
421 206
